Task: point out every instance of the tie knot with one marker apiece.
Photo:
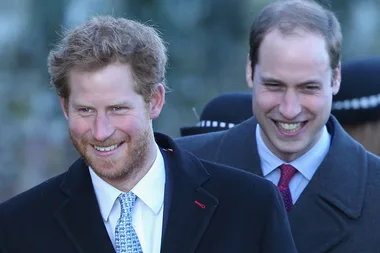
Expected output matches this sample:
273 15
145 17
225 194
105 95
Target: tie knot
287 172
127 201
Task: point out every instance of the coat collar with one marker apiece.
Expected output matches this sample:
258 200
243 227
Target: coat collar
238 147
342 175
79 216
188 208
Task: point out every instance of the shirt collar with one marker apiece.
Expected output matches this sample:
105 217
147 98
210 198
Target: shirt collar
105 193
307 164
150 189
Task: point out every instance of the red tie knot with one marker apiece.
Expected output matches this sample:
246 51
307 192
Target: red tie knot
287 172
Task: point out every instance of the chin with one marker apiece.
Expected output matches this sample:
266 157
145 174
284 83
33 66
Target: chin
104 167
110 173
290 148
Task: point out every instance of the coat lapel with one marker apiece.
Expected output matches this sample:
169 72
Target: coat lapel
79 216
335 194
188 208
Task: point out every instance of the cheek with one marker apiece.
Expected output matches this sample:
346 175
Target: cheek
78 126
131 124
265 101
318 105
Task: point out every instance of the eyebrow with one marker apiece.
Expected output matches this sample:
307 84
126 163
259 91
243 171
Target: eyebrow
117 103
274 80
79 105
120 104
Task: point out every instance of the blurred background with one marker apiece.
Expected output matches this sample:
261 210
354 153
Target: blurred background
208 46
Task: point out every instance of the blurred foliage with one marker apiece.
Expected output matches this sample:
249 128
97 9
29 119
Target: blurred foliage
207 45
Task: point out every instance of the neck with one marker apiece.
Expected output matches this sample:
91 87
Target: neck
288 156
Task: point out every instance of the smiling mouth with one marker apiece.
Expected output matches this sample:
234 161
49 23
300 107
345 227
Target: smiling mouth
290 127
106 148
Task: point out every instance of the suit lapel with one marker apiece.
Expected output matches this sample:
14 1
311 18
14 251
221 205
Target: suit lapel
334 195
188 207
79 216
316 225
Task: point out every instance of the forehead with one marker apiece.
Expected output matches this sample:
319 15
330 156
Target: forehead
110 82
294 56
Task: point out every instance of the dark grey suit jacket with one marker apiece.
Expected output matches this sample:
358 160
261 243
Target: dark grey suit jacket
339 210
207 208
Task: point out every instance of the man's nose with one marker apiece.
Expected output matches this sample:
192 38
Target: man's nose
290 105
103 128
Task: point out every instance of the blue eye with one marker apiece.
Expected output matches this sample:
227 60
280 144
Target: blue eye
312 87
119 109
271 84
85 110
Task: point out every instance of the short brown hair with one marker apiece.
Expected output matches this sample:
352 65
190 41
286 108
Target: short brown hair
287 15
103 40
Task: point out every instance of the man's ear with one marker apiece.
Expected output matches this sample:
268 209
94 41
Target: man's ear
248 73
336 79
64 106
157 101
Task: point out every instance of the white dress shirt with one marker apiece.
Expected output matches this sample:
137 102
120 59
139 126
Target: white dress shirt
147 214
306 165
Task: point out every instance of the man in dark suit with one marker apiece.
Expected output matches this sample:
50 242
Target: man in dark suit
133 190
330 184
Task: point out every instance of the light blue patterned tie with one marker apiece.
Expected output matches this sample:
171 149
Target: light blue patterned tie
126 240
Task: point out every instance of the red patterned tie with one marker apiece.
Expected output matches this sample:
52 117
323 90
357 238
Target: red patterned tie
287 172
